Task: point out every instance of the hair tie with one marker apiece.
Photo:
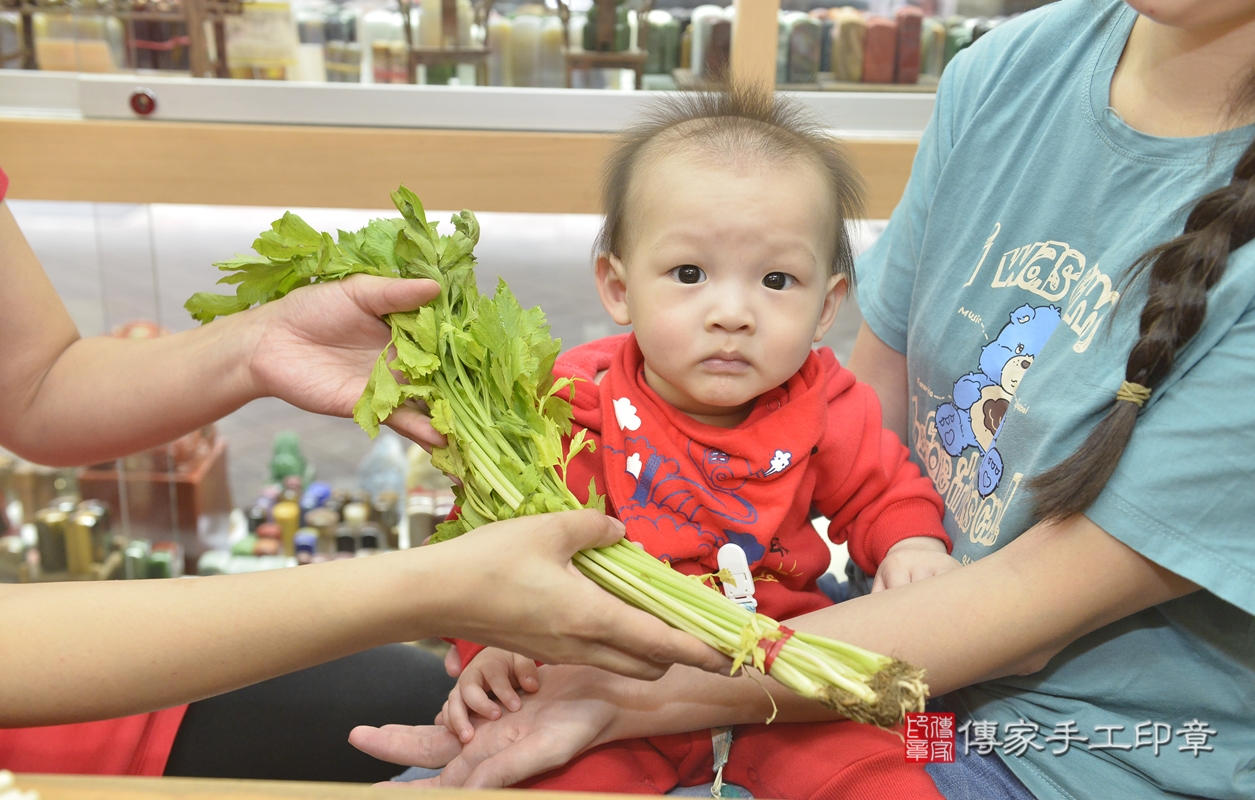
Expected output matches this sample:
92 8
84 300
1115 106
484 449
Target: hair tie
1134 393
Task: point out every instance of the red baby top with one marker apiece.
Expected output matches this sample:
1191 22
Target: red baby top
684 488
135 745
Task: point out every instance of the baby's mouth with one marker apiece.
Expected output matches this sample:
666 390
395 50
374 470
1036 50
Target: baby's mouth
724 363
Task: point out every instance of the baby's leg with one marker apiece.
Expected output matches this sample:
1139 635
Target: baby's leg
824 761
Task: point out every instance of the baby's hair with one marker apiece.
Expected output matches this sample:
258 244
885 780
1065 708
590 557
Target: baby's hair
1180 273
745 123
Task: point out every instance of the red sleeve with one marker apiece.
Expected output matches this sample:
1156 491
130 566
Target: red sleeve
4 184
873 494
466 650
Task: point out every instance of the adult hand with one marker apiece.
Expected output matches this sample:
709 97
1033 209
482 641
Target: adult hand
317 346
511 585
571 713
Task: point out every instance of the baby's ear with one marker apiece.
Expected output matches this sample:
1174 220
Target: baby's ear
835 294
612 287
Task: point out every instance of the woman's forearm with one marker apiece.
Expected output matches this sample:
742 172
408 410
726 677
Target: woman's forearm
103 397
1032 598
81 651
68 400
65 400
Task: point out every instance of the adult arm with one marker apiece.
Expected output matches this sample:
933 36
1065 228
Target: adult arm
884 369
82 651
1048 587
66 400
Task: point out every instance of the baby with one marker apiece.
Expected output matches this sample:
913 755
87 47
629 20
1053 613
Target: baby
725 248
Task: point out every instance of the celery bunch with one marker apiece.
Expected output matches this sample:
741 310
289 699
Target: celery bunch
483 366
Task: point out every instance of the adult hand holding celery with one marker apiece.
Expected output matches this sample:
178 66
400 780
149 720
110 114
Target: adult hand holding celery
483 366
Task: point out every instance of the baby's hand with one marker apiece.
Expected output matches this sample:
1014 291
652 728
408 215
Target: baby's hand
492 670
913 559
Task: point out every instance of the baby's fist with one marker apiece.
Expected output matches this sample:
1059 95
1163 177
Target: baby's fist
911 560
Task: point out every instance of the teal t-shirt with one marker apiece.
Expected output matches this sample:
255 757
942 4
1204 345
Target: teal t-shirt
998 276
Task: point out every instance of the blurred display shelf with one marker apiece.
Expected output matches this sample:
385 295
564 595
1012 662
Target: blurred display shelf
863 115
927 84
76 137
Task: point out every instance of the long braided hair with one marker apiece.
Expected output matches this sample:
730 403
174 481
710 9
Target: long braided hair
1180 273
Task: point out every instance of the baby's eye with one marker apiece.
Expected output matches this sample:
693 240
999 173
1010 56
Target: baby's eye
688 273
778 280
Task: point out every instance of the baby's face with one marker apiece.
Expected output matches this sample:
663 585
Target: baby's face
727 280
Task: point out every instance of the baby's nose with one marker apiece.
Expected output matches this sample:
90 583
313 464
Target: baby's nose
731 313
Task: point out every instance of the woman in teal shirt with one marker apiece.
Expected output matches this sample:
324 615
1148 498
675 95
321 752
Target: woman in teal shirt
1085 411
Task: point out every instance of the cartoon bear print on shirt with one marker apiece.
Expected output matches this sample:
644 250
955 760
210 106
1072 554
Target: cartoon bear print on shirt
981 399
